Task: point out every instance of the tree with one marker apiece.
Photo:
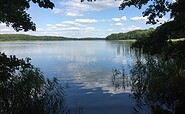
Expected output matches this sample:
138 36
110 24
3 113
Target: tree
135 34
13 13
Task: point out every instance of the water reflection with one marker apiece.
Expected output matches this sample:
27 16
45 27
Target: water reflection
158 84
87 67
120 80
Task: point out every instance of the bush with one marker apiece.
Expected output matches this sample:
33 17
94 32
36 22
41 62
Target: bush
24 90
159 85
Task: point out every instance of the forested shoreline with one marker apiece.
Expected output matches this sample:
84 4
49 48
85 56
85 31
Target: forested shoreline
23 37
135 34
131 35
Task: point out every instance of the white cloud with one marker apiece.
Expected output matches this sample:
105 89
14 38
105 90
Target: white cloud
116 19
86 21
130 28
57 10
133 28
77 8
110 30
144 19
2 25
73 14
90 28
74 29
39 29
119 24
70 29
138 18
74 23
124 18
49 25
71 23
162 20
80 29
61 25
5 30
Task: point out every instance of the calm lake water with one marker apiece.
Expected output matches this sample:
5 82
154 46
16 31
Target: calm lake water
87 67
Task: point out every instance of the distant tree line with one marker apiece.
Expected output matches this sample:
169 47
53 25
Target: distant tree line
136 34
17 37
23 37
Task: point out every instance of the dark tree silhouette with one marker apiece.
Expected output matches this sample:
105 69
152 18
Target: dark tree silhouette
13 13
24 90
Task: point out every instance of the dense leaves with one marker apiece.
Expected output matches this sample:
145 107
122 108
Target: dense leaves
159 85
160 39
156 8
13 13
136 34
24 89
23 37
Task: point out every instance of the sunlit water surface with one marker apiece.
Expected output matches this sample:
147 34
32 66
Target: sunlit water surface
87 67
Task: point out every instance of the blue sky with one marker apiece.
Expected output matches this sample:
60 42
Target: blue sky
72 18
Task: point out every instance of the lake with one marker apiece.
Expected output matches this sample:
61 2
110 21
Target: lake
87 67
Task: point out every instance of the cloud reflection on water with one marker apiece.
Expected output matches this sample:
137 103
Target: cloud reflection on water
87 63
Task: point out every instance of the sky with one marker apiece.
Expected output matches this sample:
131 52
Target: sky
76 19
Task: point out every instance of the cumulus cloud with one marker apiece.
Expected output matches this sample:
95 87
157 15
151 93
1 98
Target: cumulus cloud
2 25
57 10
119 24
116 19
138 18
74 23
5 30
162 20
87 21
130 28
144 19
70 23
73 14
77 8
124 18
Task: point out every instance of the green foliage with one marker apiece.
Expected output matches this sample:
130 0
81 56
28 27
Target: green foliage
25 90
22 37
158 9
176 50
13 13
159 39
159 85
136 34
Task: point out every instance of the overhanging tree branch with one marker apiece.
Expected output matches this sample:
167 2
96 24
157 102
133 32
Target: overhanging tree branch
13 13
